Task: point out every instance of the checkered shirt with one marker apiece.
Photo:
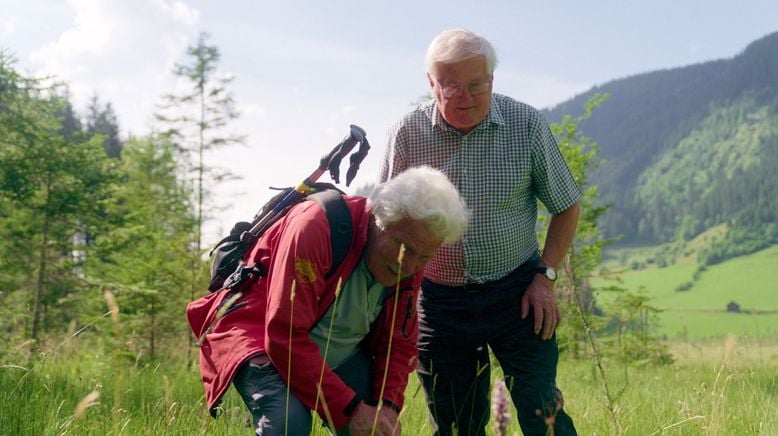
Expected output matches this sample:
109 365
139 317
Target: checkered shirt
501 168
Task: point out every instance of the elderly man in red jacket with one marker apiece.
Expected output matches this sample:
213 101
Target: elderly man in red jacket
344 351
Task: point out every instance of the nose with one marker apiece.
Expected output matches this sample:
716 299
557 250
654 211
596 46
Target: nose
456 93
467 93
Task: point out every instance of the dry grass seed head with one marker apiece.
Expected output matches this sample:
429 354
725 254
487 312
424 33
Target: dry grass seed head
86 402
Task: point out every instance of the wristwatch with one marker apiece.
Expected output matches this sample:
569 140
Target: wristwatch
547 271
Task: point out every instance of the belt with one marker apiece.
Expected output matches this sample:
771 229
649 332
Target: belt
520 274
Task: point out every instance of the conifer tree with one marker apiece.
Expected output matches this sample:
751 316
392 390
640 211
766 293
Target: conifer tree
141 260
54 186
101 120
197 121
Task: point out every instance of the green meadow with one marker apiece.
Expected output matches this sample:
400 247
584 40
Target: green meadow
700 311
722 387
723 381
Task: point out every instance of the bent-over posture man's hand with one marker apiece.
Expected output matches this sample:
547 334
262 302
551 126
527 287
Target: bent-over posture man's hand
361 422
391 420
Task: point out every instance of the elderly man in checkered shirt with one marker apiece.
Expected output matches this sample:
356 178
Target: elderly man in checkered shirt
492 289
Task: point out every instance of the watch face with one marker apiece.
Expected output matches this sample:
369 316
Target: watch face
551 274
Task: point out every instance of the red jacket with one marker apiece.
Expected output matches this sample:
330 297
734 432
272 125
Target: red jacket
298 248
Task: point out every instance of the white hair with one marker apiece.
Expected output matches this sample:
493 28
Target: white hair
425 194
457 45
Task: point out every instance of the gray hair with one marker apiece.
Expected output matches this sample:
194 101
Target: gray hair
425 194
457 45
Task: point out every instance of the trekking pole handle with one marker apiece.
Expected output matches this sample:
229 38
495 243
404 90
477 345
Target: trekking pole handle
355 136
331 161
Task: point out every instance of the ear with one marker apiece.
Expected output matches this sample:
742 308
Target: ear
431 82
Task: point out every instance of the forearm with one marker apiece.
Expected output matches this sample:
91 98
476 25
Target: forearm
391 368
561 231
399 360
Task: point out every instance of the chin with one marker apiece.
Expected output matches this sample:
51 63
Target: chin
465 123
389 281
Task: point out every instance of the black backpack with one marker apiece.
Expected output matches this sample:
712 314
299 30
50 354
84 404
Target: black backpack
228 269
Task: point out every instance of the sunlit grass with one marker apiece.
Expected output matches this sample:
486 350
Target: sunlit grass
698 395
87 385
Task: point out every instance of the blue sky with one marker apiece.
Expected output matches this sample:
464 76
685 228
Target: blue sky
306 70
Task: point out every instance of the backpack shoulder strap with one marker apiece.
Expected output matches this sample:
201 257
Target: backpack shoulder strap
341 226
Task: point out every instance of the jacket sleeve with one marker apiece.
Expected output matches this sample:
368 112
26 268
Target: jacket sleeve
393 344
302 255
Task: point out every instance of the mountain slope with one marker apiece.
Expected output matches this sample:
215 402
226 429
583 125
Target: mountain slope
687 148
724 170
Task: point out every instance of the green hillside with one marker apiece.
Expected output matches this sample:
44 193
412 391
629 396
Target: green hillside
701 311
724 170
690 148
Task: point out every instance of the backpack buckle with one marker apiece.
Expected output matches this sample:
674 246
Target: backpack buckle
241 274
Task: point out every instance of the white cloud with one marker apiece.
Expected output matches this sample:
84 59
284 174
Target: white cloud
252 110
7 26
112 46
180 12
92 30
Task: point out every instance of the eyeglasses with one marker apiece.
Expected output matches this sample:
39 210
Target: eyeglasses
474 88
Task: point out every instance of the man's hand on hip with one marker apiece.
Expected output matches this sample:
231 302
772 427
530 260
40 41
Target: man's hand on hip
540 296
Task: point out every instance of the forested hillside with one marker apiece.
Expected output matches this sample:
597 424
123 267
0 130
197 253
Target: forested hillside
690 148
88 220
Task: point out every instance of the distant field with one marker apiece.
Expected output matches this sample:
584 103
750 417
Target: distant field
700 312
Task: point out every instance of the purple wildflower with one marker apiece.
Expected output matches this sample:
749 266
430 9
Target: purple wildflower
500 413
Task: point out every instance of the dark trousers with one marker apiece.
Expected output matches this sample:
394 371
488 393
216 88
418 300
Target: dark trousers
457 326
264 392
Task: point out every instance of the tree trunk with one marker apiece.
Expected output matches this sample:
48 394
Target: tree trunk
199 223
40 289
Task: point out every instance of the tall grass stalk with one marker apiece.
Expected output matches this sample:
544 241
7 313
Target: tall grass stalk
611 403
400 257
88 401
718 414
289 360
677 398
46 355
677 424
326 408
327 343
113 307
226 306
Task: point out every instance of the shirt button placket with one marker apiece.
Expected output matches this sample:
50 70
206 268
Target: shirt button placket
466 183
